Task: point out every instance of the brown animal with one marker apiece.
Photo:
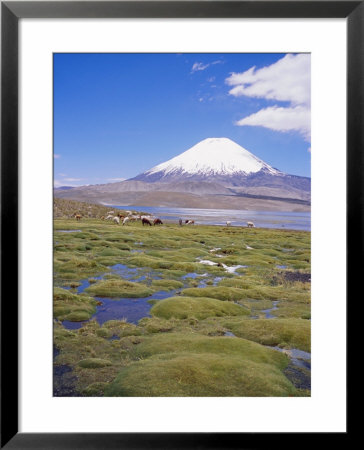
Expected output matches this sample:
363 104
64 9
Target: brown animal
102 217
78 216
190 222
146 222
157 222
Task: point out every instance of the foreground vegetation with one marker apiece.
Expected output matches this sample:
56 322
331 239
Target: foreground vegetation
184 348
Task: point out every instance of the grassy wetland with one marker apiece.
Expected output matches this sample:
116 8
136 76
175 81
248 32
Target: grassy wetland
175 310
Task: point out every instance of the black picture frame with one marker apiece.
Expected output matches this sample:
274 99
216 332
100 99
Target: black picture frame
11 12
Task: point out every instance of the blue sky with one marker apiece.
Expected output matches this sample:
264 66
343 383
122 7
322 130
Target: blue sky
117 115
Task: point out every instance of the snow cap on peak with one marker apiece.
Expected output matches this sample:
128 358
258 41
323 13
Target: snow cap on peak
214 156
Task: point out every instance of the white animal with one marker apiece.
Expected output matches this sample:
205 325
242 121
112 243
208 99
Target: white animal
126 220
250 224
228 223
109 217
116 220
111 212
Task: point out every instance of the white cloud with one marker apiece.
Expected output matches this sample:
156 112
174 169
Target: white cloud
73 179
277 118
199 66
287 80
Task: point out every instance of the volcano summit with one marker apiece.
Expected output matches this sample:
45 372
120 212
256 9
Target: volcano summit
214 173
211 158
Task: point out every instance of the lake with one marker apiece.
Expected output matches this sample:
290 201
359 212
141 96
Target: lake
263 219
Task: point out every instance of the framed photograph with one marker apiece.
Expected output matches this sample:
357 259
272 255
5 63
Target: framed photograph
181 209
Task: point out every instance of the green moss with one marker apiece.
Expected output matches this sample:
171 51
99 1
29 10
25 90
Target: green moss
155 325
166 343
167 285
200 308
166 356
119 288
200 375
72 307
121 328
220 293
72 284
294 333
94 363
78 316
104 332
95 389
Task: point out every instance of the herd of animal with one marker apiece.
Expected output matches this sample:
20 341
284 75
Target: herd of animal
129 217
146 220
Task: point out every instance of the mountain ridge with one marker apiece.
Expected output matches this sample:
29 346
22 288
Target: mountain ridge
215 171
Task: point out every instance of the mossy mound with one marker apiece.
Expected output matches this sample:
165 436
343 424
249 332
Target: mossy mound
72 307
166 343
167 285
119 288
199 375
200 308
155 325
219 292
294 333
94 363
121 328
95 389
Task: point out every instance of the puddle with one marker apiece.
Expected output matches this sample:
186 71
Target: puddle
267 312
114 337
128 273
298 357
205 281
299 369
63 379
193 275
129 309
229 334
298 377
281 267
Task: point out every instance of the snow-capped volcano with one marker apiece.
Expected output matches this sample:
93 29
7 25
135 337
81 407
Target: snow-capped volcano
212 157
215 173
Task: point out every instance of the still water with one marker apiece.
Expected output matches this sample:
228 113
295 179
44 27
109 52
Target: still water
264 219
